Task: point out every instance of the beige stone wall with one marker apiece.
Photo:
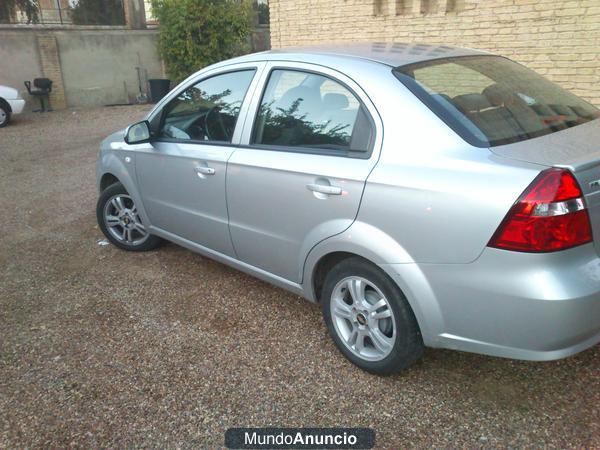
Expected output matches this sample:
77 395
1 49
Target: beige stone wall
559 39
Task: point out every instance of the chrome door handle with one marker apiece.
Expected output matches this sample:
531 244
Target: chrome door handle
324 189
205 170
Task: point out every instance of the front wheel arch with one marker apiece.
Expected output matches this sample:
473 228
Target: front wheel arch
107 180
8 110
5 104
125 219
113 166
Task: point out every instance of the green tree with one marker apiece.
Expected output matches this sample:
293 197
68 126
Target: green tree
8 9
98 12
197 33
262 9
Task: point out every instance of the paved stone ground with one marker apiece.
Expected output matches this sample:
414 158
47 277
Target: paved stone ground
99 347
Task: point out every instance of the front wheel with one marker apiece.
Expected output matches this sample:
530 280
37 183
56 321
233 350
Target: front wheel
119 220
369 318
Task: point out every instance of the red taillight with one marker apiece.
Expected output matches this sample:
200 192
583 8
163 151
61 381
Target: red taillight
550 215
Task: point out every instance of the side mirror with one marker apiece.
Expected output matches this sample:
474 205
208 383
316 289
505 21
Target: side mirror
138 133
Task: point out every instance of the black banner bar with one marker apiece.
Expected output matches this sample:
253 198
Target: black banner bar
299 438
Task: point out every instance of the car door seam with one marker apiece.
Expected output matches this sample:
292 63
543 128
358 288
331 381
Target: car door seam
227 205
302 275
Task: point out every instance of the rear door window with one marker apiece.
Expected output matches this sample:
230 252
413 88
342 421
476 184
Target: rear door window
304 110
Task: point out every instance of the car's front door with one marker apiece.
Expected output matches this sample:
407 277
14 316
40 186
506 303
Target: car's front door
300 174
182 173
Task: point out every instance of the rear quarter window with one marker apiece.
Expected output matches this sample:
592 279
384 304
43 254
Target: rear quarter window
490 100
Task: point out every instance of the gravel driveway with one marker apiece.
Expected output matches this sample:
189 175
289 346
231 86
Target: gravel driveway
99 347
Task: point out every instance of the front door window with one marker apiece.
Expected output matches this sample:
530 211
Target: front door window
208 110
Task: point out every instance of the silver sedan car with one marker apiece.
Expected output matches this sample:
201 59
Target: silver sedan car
422 195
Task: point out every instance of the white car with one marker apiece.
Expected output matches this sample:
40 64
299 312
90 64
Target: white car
11 103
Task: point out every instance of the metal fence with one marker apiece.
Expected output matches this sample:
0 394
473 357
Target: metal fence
63 12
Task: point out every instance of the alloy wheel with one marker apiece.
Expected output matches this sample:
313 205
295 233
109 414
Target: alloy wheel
363 318
123 222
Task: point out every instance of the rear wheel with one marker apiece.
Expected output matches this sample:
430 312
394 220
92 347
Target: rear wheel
119 220
369 318
4 114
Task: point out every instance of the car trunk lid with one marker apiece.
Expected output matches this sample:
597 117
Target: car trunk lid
577 149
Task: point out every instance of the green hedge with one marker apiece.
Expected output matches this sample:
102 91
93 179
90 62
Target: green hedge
197 33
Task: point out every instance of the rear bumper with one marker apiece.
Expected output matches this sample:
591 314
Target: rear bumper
17 105
509 304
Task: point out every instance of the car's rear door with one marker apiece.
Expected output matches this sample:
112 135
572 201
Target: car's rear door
310 140
182 173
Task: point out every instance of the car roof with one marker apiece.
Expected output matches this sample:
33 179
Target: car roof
393 54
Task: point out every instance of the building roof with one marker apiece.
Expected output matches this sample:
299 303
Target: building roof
393 54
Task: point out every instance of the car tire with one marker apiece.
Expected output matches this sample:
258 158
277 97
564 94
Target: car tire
4 114
120 222
381 340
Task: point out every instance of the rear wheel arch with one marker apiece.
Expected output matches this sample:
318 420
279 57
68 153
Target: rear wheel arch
327 262
359 240
324 266
409 278
401 329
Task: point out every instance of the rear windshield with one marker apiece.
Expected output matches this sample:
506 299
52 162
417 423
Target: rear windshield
490 100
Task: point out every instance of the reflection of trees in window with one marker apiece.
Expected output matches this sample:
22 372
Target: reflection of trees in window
223 114
290 127
208 110
217 99
229 110
195 99
214 115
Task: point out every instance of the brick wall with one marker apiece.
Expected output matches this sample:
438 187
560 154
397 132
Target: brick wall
559 39
51 68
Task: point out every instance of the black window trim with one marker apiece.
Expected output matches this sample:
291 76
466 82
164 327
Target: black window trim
194 82
312 150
